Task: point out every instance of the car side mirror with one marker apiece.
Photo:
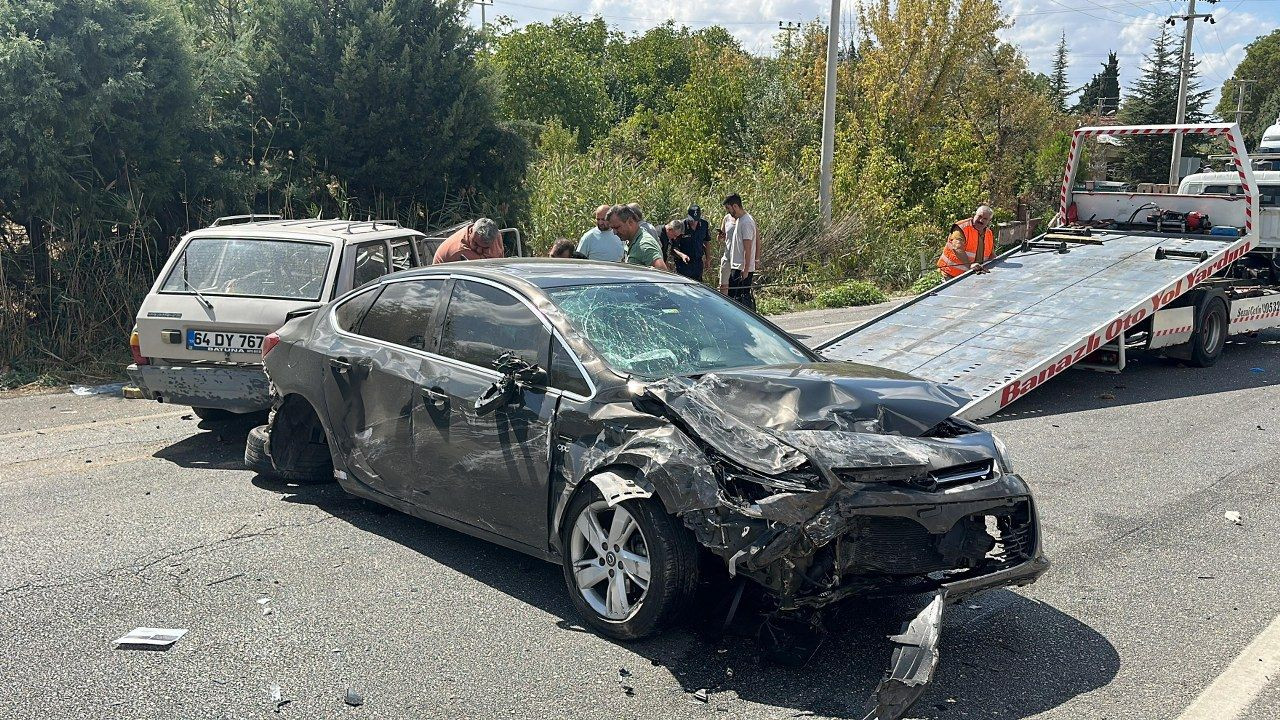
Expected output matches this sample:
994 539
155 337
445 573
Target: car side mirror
516 374
499 394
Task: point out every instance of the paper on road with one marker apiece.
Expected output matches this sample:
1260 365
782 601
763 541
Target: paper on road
152 636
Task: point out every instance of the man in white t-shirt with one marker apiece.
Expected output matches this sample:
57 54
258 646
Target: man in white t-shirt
741 252
600 243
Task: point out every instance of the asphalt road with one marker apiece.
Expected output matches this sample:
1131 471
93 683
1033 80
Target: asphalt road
116 514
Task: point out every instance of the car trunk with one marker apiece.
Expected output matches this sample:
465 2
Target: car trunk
219 296
179 328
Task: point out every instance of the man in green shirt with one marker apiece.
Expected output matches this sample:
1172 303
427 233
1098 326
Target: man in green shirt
642 248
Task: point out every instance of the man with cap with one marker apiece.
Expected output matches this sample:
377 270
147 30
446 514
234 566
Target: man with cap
689 246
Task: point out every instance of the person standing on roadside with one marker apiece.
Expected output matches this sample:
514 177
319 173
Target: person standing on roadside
741 252
689 250
601 243
642 248
654 232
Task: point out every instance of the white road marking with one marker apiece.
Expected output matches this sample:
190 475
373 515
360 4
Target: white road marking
1230 694
89 425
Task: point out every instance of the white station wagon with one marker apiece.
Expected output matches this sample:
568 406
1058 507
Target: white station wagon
199 333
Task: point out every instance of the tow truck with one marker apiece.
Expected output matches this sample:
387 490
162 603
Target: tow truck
1115 273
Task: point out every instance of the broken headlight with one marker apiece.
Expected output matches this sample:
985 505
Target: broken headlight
1006 460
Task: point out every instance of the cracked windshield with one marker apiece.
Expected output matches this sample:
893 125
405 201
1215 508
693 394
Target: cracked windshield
659 329
250 268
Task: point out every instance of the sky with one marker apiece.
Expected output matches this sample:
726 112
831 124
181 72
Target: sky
1093 27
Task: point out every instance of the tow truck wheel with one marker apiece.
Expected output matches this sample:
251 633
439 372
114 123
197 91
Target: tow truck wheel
1211 333
631 569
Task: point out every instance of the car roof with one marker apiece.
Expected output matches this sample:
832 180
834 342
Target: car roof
546 273
1266 176
332 231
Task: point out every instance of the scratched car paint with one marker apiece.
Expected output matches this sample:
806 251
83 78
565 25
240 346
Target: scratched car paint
624 422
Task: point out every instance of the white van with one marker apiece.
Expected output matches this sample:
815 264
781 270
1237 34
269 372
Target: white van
199 333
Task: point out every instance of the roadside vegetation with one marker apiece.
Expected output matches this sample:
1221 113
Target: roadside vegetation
128 123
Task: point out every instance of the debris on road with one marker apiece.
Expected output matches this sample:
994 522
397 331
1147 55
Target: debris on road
1234 517
353 698
1106 396
1257 370
278 698
108 389
211 583
701 695
627 688
914 660
153 637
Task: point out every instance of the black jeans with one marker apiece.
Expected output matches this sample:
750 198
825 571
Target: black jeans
740 288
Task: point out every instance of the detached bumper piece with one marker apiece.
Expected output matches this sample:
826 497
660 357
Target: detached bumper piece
911 668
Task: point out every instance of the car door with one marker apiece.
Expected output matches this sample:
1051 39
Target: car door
489 471
373 380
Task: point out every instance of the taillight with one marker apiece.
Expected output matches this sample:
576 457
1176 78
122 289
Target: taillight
135 349
268 343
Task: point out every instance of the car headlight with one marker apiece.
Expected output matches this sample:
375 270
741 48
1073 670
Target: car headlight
1005 458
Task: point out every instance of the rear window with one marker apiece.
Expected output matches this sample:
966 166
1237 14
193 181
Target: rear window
241 267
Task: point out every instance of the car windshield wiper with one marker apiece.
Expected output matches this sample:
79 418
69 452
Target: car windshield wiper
203 300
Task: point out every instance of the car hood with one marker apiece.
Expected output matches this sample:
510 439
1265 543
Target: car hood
773 419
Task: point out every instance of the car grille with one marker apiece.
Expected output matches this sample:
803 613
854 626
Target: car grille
902 546
962 474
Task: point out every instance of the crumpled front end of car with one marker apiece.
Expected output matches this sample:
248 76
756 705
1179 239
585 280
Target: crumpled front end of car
871 488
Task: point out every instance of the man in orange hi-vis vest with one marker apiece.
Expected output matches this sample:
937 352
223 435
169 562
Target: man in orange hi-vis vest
963 251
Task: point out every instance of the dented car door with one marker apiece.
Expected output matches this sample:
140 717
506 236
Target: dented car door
372 380
489 469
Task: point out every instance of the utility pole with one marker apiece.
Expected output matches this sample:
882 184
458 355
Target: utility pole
483 4
790 28
1190 19
829 115
1240 111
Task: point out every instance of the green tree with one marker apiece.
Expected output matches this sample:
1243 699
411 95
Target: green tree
383 101
94 122
1102 92
551 72
1058 89
1261 64
1153 99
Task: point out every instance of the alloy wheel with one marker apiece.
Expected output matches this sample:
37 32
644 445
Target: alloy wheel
610 560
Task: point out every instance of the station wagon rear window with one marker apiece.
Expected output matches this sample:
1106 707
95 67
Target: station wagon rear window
241 267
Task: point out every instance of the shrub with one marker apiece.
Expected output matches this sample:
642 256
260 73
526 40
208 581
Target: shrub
927 282
771 305
852 293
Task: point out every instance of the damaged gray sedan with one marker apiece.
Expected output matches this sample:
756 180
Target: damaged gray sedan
628 424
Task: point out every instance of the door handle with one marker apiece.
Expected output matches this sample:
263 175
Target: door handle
435 396
339 364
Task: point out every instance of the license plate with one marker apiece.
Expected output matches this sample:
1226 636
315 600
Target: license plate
229 342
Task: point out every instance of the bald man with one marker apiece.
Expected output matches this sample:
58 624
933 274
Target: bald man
969 245
600 242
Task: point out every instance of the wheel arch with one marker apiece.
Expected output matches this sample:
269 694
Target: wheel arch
295 423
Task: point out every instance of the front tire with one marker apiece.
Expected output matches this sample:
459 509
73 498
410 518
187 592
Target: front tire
631 569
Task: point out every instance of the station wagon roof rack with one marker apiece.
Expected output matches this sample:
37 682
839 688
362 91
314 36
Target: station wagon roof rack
242 219
370 226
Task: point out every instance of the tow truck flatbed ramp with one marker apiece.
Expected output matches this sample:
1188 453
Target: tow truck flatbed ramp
1001 334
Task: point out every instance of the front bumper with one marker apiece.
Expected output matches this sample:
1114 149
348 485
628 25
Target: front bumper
240 389
874 541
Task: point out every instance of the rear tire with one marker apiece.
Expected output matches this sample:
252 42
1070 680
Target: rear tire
637 585
312 467
213 414
1211 332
